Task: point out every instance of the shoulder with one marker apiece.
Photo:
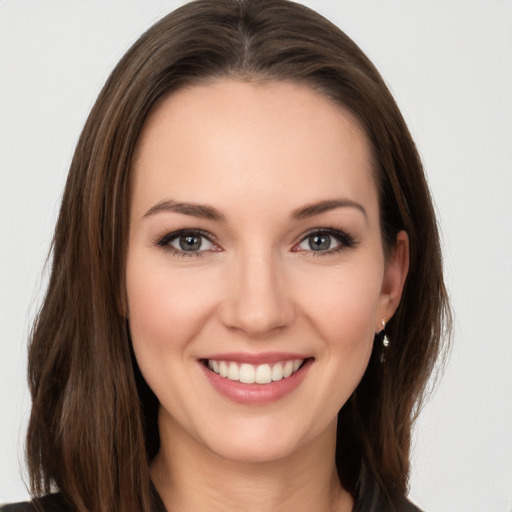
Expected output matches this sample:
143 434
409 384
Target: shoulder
378 505
17 507
411 507
50 503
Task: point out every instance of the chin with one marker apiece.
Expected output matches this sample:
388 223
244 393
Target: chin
259 441
250 452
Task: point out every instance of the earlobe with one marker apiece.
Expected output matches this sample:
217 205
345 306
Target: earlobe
397 267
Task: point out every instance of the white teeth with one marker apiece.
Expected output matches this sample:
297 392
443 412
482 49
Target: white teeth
259 374
263 374
288 369
277 372
233 371
247 373
223 369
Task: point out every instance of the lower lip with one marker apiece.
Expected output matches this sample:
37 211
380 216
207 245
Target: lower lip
255 394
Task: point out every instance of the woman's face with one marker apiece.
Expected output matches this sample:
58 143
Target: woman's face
256 279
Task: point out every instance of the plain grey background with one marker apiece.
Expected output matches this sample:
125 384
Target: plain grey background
449 65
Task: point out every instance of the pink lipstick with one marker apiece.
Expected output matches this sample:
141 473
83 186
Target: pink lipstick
255 378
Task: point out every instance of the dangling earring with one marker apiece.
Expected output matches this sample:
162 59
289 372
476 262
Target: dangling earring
385 339
385 342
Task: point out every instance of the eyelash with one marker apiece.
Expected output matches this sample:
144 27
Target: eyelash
163 241
345 239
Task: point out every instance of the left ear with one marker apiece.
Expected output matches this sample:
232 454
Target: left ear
395 273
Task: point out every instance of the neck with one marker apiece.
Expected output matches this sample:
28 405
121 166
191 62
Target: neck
190 477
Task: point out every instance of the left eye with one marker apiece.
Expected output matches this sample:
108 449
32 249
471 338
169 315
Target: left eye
318 242
325 241
190 242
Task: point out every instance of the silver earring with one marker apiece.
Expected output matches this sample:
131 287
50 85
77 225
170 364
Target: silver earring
385 342
385 339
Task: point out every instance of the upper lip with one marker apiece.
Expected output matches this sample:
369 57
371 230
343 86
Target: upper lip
256 359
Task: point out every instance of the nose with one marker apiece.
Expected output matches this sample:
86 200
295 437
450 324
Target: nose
257 301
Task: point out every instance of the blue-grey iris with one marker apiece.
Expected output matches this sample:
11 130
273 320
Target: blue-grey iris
319 242
190 242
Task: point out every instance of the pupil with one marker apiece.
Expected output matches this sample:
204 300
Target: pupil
190 243
319 242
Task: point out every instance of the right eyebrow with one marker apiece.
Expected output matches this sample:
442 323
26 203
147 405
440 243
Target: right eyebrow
203 211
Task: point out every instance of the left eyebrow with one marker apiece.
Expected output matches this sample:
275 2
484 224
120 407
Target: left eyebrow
319 207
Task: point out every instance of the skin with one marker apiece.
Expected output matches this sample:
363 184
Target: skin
257 154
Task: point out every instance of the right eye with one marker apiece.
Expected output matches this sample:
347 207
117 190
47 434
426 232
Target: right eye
186 243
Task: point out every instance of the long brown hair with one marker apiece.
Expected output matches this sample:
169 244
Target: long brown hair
93 431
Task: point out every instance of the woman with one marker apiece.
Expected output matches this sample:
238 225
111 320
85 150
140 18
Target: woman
246 298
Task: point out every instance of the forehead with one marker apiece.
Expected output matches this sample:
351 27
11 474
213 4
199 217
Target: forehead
276 141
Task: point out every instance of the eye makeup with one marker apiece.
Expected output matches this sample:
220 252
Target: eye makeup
196 243
325 241
189 243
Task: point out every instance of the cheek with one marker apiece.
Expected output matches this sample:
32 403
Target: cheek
339 305
165 308
343 307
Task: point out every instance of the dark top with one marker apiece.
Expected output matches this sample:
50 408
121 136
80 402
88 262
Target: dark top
55 503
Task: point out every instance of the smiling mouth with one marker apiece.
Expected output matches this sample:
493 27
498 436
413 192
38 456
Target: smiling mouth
254 374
